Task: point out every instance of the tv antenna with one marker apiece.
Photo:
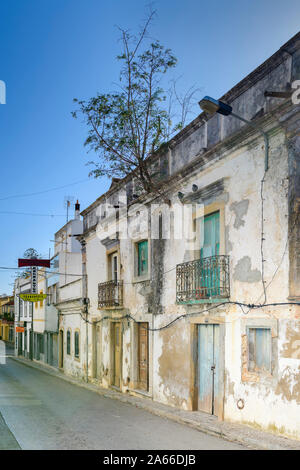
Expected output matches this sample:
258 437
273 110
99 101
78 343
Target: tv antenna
67 203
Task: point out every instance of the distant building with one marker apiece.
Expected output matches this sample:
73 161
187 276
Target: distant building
23 319
69 304
7 312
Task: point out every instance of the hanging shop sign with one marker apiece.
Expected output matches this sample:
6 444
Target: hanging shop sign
44 263
34 280
33 297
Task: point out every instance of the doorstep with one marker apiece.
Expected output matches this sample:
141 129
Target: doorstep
233 432
136 392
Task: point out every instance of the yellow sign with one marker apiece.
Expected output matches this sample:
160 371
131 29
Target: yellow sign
33 297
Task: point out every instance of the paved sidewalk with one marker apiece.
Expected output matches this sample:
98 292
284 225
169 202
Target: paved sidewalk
7 439
241 434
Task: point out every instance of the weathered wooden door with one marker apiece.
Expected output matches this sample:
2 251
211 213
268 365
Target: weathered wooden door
208 369
210 276
117 332
143 356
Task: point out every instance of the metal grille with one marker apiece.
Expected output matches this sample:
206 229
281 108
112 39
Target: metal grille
206 278
110 294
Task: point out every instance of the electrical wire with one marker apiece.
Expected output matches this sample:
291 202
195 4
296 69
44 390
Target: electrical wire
44 191
32 214
240 304
185 315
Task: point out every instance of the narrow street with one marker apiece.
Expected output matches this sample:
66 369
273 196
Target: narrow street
44 412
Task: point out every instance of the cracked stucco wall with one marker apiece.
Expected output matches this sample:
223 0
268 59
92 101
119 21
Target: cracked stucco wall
270 402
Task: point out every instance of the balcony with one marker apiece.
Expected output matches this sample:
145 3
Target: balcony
203 280
110 294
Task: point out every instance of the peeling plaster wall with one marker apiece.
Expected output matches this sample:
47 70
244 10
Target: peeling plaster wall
242 170
171 361
270 401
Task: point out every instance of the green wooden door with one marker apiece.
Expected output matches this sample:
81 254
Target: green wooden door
211 242
142 258
210 271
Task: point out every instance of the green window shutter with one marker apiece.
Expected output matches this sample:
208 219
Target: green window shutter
76 336
68 343
142 258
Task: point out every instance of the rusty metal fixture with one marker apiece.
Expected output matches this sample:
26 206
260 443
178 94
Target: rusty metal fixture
206 278
240 403
110 294
278 94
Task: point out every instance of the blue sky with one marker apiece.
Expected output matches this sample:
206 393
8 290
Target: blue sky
54 50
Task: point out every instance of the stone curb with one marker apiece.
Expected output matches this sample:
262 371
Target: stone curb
241 434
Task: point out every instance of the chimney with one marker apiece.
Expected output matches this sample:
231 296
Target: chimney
77 210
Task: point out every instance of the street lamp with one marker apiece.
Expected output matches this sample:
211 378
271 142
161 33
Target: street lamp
212 106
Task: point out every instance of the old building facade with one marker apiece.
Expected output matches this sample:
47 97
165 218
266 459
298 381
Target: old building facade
191 296
211 325
23 319
71 330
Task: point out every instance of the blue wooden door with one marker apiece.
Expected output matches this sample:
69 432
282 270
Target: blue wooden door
208 369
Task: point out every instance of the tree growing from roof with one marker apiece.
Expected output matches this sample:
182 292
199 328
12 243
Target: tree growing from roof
128 126
31 253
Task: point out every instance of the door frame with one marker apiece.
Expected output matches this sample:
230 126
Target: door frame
220 321
112 353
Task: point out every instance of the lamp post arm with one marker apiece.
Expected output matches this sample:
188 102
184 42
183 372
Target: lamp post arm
264 134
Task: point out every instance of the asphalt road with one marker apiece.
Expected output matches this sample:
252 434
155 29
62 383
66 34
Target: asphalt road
39 411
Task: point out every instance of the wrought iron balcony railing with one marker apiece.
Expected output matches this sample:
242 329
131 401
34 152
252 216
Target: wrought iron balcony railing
110 294
206 278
